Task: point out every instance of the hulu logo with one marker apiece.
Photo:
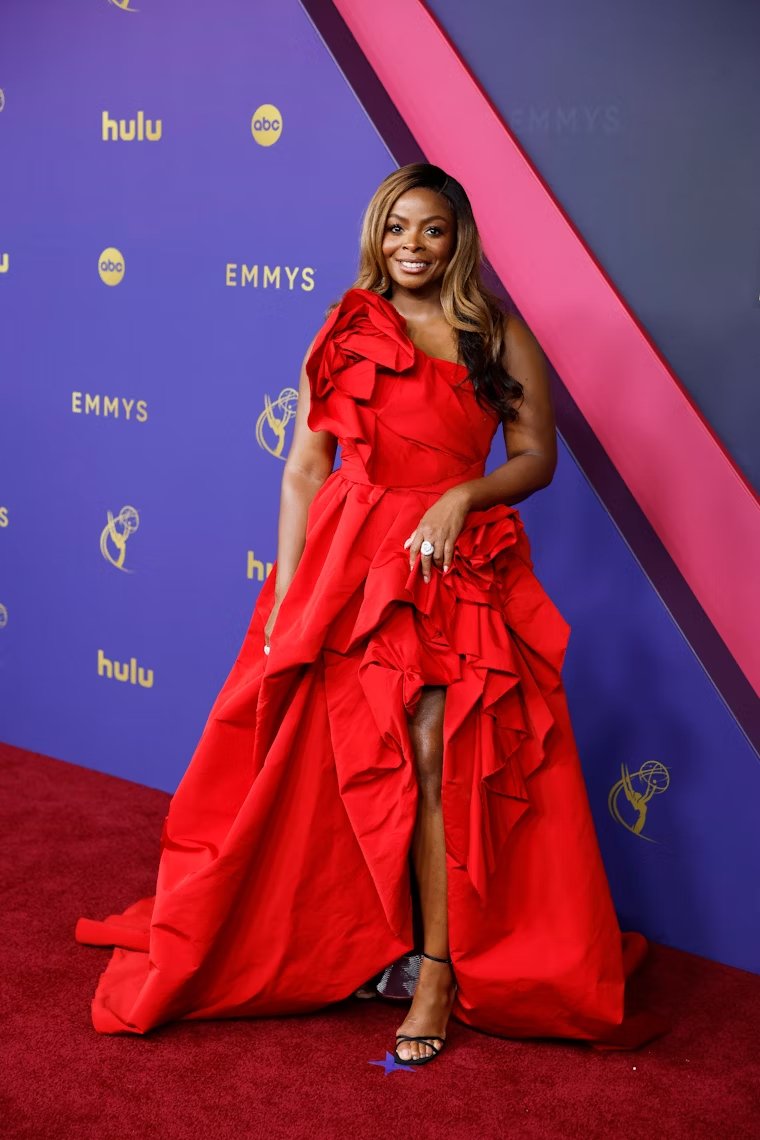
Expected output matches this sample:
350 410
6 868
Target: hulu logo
128 671
129 130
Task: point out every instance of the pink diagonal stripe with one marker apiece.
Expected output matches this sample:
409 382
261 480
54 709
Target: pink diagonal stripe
690 490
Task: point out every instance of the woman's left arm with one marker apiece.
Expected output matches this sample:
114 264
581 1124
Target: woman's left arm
531 443
531 440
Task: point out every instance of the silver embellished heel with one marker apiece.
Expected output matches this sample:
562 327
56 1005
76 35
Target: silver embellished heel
399 980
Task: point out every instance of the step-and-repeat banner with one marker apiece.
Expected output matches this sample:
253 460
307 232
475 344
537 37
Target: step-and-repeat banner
180 201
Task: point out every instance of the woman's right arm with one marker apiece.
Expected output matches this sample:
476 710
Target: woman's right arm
309 462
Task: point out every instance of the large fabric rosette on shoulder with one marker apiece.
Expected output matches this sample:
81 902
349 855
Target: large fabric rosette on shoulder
360 336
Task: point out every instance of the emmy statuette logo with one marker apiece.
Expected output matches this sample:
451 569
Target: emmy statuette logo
266 124
637 790
131 130
129 672
272 422
116 534
124 5
111 266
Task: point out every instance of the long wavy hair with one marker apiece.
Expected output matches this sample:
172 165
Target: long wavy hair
468 304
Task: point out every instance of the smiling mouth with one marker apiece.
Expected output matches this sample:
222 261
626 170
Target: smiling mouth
413 265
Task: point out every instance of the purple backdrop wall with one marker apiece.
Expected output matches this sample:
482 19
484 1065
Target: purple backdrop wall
140 408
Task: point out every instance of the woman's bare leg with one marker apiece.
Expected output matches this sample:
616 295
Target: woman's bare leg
434 995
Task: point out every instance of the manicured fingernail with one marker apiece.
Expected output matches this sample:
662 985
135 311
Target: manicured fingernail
427 577
445 569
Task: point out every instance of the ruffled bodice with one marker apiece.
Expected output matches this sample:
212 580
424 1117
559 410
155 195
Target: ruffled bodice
403 418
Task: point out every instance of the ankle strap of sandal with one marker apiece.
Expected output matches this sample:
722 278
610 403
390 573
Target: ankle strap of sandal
433 958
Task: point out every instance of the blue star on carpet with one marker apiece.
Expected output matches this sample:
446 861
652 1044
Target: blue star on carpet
392 1066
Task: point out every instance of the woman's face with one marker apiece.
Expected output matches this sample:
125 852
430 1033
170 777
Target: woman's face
419 239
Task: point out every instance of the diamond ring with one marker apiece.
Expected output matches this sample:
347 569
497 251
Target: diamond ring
427 548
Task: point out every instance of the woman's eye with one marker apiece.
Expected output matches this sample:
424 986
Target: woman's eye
397 226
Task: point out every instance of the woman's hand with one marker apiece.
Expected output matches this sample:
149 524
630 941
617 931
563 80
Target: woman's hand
441 524
270 623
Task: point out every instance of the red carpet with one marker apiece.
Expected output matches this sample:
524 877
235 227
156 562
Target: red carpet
78 842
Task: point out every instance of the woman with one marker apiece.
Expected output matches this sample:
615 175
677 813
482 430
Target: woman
388 775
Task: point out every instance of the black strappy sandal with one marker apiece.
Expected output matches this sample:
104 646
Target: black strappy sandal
428 1038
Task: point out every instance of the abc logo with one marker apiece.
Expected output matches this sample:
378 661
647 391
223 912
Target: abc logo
266 124
111 266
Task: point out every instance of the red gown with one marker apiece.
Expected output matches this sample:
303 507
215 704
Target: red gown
283 881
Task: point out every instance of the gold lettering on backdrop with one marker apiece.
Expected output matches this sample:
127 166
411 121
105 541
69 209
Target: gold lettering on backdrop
4 263
257 569
269 276
115 534
129 130
3 516
128 671
114 407
271 424
3 616
638 789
